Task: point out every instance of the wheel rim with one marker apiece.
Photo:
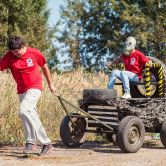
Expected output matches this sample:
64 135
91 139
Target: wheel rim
134 135
77 129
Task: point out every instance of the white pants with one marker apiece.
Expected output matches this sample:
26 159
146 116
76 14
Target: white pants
125 77
33 128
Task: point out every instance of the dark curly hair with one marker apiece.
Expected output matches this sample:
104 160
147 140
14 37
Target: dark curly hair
15 42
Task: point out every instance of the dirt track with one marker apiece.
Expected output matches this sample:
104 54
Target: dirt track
90 154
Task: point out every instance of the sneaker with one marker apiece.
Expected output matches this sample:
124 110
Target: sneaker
46 149
126 96
30 148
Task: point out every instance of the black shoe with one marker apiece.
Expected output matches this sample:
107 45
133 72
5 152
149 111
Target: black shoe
30 148
46 149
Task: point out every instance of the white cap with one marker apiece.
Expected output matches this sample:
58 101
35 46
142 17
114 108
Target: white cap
130 43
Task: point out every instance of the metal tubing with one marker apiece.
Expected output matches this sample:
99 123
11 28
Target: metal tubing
61 98
65 109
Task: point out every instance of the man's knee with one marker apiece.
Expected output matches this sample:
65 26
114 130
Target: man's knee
25 109
115 73
123 73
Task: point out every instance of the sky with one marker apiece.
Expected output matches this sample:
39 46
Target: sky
54 6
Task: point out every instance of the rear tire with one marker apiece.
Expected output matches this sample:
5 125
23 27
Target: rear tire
130 135
136 92
163 133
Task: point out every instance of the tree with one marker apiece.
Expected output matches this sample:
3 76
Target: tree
27 18
68 36
146 20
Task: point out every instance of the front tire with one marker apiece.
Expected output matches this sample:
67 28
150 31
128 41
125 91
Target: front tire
73 133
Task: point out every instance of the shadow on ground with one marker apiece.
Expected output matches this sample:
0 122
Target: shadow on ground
105 147
95 146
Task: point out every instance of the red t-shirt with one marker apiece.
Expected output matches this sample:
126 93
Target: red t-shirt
25 69
135 62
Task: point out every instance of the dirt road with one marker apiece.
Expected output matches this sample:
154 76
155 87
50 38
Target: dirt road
90 154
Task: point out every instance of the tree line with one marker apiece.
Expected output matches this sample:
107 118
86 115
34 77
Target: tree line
94 31
89 32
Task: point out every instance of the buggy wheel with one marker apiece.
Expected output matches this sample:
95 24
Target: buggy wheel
139 90
163 133
72 131
130 135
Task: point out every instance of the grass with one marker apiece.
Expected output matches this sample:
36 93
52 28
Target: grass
70 85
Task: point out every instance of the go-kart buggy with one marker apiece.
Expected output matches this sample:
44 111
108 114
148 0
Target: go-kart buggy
123 121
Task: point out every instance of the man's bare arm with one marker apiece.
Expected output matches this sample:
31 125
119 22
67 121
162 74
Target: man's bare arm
47 75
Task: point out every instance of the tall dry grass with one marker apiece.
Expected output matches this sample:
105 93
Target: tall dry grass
70 85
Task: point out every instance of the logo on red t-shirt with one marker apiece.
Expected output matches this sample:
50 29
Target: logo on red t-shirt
132 61
29 62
